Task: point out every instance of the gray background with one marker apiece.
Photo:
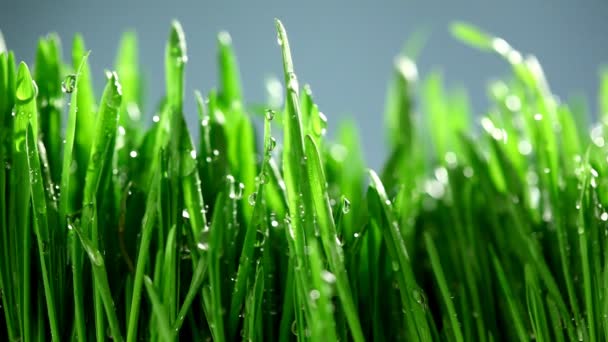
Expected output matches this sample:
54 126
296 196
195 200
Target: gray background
343 49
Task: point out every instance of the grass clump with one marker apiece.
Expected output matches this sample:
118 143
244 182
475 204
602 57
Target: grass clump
114 228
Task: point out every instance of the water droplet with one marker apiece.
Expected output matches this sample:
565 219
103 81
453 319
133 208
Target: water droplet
451 159
185 214
156 118
263 178
356 235
20 142
272 144
25 92
524 147
594 172
203 242
252 198
274 223
417 295
270 114
345 205
193 154
538 116
315 294
468 172
239 191
328 277
294 325
513 103
319 124
604 216
260 238
395 266
133 154
69 84
279 40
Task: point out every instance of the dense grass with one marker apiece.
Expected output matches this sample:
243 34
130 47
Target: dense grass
117 225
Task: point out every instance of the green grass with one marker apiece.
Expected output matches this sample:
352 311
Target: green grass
117 225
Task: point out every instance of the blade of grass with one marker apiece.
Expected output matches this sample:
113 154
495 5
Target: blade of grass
443 287
102 285
329 237
160 311
41 229
26 113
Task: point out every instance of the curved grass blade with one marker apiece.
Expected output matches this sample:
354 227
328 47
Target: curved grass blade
41 230
68 202
512 303
387 224
162 318
26 113
215 279
246 260
48 78
102 285
85 126
148 223
327 227
443 287
197 280
8 258
97 167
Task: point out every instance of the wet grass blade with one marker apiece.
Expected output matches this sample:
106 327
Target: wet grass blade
25 113
443 287
41 229
333 249
102 285
162 318
143 255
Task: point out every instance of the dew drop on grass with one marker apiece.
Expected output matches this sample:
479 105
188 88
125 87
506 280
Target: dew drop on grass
604 216
328 277
203 242
25 92
193 154
252 198
418 297
315 294
319 124
538 116
356 235
155 118
69 84
263 178
270 114
185 214
513 103
272 145
133 154
467 172
294 328
20 142
345 205
260 238
395 266
524 147
274 223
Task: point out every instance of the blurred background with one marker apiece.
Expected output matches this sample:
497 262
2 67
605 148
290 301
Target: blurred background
343 49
